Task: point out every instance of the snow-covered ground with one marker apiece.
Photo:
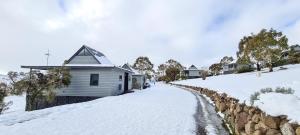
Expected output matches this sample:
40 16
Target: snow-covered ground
242 86
160 110
18 104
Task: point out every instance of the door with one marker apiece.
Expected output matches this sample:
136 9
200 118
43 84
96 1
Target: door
126 83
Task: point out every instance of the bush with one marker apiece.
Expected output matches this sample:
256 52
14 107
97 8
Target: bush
245 69
281 90
284 90
266 90
254 97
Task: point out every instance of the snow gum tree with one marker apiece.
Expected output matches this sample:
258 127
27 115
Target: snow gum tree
37 84
215 68
264 47
226 60
143 65
172 70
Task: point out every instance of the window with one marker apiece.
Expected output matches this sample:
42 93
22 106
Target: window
94 80
120 86
120 78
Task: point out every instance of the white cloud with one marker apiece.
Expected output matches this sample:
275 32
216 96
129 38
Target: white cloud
191 31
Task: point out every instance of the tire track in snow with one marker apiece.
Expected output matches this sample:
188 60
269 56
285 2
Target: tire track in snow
208 122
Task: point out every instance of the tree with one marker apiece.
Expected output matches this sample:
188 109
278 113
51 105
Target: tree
264 47
143 65
215 68
174 64
293 55
226 60
172 74
161 69
40 85
3 93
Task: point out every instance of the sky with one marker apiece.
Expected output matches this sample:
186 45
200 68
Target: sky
198 32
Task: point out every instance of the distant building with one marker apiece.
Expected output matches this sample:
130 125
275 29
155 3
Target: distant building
138 79
93 76
285 54
233 67
192 72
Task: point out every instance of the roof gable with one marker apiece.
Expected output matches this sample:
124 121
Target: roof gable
192 67
128 67
87 51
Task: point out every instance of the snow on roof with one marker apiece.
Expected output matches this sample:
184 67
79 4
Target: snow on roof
103 60
89 65
127 66
100 57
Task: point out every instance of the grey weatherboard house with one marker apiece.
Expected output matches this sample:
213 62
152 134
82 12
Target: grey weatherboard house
138 79
93 76
193 72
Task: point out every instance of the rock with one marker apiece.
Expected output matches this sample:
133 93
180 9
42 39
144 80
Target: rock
241 120
271 122
249 128
222 107
256 118
273 132
287 129
298 131
257 132
262 127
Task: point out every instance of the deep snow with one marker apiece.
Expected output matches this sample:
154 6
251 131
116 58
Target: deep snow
160 110
242 86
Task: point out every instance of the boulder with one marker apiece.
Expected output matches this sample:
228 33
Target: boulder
256 118
222 107
271 122
287 129
249 128
298 131
262 127
273 132
257 132
241 120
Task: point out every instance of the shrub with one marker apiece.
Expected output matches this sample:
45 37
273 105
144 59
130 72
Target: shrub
284 90
245 69
254 97
266 90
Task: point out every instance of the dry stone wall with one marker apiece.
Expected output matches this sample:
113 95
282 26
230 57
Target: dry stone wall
248 120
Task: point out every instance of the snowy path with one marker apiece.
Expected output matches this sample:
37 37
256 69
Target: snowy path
160 110
206 118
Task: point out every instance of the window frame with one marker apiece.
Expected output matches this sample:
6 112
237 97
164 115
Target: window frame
120 77
93 81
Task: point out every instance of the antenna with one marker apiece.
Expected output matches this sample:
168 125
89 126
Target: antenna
48 55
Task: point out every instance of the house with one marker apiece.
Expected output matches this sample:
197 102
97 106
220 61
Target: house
138 79
93 76
192 72
233 67
229 68
295 48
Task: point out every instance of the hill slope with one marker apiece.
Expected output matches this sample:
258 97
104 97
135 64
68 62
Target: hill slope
242 86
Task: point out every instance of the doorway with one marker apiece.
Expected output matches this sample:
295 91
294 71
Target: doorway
126 83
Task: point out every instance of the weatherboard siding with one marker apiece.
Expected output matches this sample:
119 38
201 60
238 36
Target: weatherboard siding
108 83
194 73
83 60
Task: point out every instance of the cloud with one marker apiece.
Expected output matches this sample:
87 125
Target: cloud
196 32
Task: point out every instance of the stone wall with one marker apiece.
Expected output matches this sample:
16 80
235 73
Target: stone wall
248 120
